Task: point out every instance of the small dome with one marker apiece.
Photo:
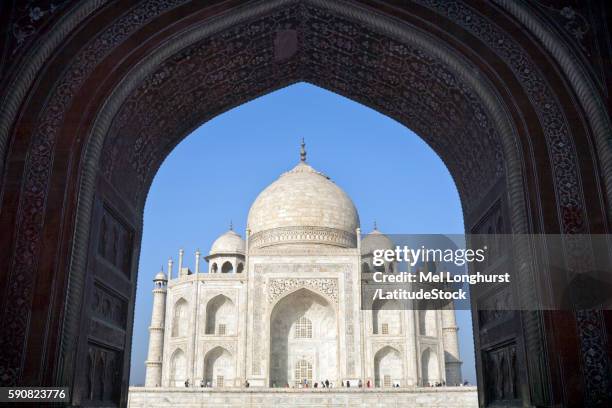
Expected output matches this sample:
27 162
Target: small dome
160 276
228 243
375 240
303 199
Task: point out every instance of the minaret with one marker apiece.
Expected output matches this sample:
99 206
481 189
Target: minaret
452 361
197 261
180 263
153 374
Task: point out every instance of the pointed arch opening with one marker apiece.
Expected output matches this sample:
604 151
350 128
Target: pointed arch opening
179 318
227 267
219 368
430 371
388 368
178 368
427 322
303 333
386 317
221 318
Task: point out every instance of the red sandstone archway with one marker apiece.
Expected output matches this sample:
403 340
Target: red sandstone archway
88 118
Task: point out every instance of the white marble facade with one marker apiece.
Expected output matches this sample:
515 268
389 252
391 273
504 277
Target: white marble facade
284 305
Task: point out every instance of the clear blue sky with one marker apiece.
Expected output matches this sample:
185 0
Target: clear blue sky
214 175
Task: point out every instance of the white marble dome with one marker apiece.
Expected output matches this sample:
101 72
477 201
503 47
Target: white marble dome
307 205
228 243
375 240
161 276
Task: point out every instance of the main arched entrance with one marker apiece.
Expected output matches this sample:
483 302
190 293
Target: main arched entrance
303 340
496 91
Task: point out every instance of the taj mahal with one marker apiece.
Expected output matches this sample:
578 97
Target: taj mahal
281 308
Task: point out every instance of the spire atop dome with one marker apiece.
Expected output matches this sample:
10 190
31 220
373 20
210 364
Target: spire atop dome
375 226
231 225
303 151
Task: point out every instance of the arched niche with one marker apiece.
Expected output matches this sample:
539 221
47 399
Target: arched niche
303 326
387 317
430 371
219 368
428 322
178 369
180 323
388 368
221 316
227 267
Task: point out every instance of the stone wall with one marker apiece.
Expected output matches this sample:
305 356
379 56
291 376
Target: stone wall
442 397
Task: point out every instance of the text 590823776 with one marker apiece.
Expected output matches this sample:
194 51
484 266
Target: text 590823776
33 394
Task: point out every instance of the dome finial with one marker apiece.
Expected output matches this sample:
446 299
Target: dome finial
375 226
303 151
231 225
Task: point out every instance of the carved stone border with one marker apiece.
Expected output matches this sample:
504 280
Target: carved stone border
276 288
595 105
560 144
31 65
496 111
577 77
292 235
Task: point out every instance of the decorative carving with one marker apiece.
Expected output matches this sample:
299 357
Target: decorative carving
229 346
573 22
404 83
500 374
594 355
563 157
109 307
297 235
115 242
140 134
495 308
102 332
487 232
276 288
379 345
348 320
104 370
258 315
29 17
37 171
304 250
